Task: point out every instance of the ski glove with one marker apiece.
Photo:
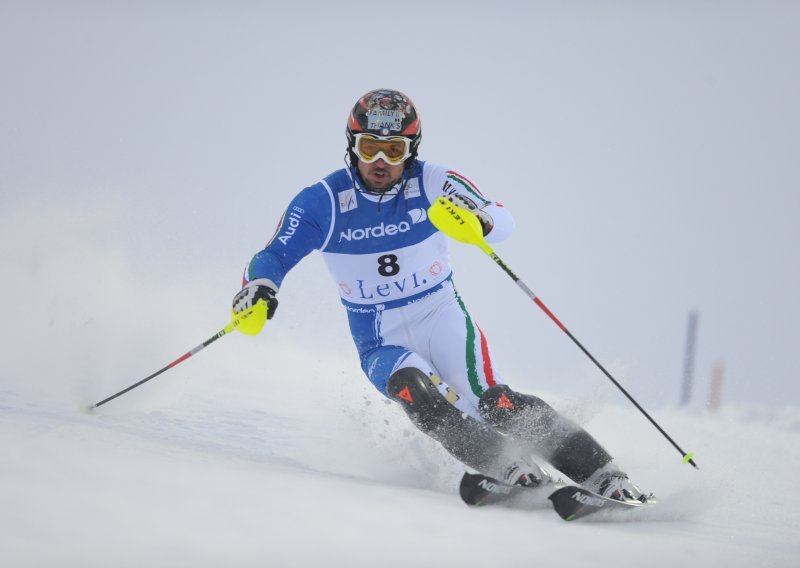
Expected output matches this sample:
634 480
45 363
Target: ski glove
258 289
466 203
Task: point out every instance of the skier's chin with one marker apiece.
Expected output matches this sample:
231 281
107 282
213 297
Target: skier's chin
382 188
380 177
381 184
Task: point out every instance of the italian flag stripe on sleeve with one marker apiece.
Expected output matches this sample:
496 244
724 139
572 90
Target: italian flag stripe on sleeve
468 185
277 229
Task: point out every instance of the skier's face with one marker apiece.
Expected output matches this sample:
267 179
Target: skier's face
380 176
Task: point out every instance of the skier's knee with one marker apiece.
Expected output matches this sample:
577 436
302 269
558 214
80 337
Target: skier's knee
567 446
420 398
499 405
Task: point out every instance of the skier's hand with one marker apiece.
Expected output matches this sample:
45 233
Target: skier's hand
466 203
258 289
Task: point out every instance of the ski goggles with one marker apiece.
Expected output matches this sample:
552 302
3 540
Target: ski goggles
393 149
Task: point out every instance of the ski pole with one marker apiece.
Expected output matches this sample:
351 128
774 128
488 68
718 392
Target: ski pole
243 322
464 227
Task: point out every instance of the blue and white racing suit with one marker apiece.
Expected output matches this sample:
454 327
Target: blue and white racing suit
392 270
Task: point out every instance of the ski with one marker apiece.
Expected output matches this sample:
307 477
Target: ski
572 502
477 490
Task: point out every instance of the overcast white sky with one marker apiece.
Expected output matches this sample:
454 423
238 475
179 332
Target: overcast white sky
648 150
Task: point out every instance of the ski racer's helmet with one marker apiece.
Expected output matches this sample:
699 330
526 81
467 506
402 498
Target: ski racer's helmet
378 121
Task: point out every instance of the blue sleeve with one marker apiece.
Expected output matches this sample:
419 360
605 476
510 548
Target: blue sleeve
303 228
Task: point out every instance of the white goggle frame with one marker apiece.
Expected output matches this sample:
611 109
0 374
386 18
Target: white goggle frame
380 154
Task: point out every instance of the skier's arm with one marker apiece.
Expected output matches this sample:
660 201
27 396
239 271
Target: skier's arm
302 229
495 219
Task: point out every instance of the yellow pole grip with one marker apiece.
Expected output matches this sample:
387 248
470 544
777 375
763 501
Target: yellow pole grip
458 223
250 321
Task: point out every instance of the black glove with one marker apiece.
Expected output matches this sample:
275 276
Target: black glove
258 289
466 203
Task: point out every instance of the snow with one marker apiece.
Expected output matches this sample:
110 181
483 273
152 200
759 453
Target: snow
201 468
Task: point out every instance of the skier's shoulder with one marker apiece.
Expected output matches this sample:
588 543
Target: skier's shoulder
319 195
339 180
444 179
431 172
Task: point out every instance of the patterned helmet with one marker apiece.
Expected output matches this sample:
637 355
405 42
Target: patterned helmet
385 112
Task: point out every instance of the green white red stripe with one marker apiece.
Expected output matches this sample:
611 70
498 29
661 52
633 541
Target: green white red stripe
277 229
470 187
479 362
246 275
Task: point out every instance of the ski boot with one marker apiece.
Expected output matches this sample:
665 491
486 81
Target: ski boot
612 483
526 474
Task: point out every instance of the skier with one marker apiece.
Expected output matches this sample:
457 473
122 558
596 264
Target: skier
416 340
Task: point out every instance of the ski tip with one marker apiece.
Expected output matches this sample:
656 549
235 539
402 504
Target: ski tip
558 499
477 490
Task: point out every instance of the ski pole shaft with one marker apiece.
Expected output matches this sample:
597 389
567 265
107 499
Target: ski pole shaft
688 458
464 227
177 361
234 324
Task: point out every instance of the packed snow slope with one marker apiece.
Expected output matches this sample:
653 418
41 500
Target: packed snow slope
222 463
